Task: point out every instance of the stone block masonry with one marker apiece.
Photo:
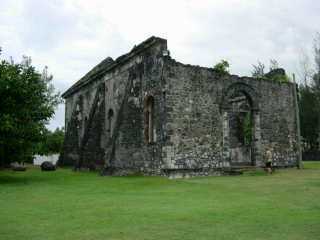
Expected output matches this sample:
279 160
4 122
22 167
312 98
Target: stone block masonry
146 113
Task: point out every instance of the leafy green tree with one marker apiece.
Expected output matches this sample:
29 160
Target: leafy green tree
28 101
309 98
309 106
316 82
221 68
51 142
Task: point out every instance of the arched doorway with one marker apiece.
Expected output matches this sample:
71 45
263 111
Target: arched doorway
240 129
241 125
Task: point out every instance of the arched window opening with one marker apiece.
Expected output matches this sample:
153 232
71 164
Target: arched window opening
148 119
78 114
110 117
85 121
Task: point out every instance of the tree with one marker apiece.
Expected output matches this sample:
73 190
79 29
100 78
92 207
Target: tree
274 64
309 103
28 101
51 142
309 117
316 80
305 72
221 68
258 70
316 76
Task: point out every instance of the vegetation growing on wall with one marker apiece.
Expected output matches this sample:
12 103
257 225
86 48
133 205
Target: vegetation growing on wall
275 74
248 128
258 70
280 78
221 68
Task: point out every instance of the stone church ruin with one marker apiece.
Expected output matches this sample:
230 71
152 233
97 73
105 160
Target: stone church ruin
147 113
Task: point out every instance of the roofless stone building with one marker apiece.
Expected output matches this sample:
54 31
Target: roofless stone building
144 112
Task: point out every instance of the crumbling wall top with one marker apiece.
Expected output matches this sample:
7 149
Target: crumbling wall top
108 64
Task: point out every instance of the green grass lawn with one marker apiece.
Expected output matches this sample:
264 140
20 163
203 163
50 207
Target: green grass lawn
83 206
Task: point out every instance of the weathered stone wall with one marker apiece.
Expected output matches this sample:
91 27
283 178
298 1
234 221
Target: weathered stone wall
134 77
192 109
195 118
278 122
142 79
194 122
77 113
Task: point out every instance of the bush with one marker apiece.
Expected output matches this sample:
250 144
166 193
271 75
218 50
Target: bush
221 68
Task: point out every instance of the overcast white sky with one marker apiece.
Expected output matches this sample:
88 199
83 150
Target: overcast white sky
72 36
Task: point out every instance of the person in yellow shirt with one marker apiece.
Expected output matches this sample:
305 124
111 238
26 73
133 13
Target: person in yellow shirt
269 160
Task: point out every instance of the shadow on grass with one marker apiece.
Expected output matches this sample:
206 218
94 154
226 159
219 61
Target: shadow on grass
23 178
15 180
256 173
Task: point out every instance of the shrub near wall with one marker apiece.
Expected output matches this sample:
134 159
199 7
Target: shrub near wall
311 155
